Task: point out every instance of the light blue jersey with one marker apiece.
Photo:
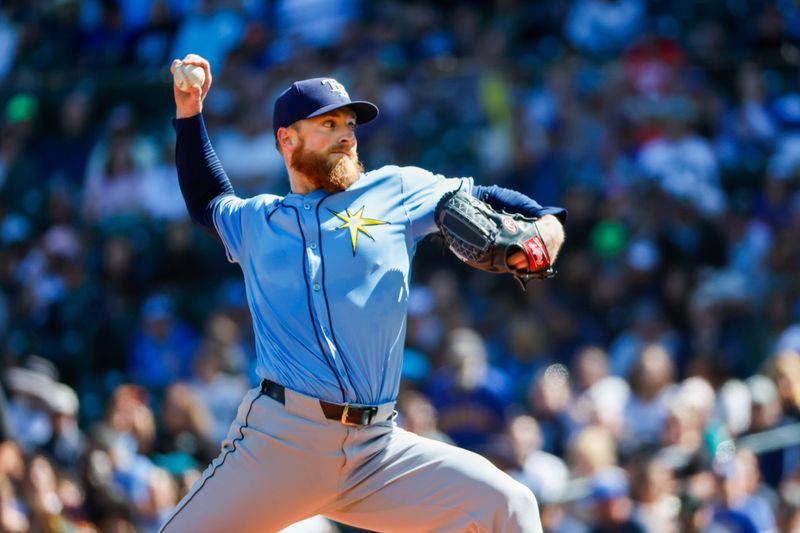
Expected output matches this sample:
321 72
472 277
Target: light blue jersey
327 278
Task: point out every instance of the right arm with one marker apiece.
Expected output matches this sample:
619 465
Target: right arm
200 174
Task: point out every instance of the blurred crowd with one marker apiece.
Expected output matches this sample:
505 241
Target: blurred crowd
653 385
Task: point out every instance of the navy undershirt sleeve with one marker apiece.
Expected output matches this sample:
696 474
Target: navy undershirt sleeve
200 174
515 202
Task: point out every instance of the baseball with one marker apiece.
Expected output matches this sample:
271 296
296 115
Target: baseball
187 76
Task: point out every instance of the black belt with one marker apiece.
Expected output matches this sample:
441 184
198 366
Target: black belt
348 414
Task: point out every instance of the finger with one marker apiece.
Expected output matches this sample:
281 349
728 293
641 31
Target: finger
194 59
207 81
518 261
174 65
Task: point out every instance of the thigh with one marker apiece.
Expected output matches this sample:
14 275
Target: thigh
271 472
410 483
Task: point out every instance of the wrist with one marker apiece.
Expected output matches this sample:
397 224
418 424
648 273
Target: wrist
552 233
186 113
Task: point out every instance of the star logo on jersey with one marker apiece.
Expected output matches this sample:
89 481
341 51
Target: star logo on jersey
356 224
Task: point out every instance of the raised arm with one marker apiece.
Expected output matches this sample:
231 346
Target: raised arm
200 173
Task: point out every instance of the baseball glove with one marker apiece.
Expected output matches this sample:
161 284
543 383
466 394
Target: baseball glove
484 238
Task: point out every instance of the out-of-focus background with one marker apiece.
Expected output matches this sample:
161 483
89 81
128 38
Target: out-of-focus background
655 383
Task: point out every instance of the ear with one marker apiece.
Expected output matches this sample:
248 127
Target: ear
287 139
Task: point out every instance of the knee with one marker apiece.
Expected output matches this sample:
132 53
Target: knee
521 497
521 508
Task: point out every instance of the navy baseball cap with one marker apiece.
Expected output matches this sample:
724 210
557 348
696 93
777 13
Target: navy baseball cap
314 97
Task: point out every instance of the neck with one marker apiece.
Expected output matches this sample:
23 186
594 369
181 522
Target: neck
299 183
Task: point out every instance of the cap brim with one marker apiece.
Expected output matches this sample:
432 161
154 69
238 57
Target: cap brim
365 111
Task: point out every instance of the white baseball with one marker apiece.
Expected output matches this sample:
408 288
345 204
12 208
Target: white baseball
186 76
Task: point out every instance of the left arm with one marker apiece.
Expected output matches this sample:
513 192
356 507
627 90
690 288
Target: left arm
512 201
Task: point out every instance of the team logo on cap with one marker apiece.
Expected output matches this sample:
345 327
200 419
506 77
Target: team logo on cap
355 223
336 87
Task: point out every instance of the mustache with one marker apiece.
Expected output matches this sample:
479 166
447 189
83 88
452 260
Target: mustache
343 150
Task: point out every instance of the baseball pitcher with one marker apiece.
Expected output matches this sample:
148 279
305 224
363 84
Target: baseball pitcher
327 270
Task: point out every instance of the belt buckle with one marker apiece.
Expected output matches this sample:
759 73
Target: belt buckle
369 410
344 419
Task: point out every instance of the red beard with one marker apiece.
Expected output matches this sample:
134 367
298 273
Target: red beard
324 172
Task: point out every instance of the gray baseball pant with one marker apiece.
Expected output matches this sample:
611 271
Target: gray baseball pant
283 463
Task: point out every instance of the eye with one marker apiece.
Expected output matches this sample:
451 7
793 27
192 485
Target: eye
328 124
351 124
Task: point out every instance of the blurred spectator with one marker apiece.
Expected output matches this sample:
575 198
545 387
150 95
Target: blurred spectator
9 37
32 395
653 489
118 188
524 355
471 396
737 507
159 192
69 146
67 442
591 450
324 29
652 389
544 473
789 508
417 414
681 162
151 41
604 403
766 414
648 326
103 43
185 426
784 368
589 367
783 163
604 26
548 400
218 391
612 508
253 164
734 403
163 349
748 128
114 174
20 178
210 17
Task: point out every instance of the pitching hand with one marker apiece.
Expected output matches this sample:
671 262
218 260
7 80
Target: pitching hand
190 103
553 237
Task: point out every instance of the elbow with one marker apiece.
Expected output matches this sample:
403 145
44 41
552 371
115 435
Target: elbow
201 216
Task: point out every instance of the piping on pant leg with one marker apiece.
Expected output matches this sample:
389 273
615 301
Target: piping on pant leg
214 467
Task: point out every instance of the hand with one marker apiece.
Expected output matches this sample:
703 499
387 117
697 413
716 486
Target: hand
518 261
190 103
552 233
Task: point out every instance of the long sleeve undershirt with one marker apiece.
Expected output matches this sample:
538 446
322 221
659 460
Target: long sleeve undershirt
200 174
202 179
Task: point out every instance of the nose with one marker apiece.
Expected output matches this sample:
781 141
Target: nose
348 137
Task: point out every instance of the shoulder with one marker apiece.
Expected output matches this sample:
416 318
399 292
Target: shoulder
231 206
393 174
395 171
262 201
